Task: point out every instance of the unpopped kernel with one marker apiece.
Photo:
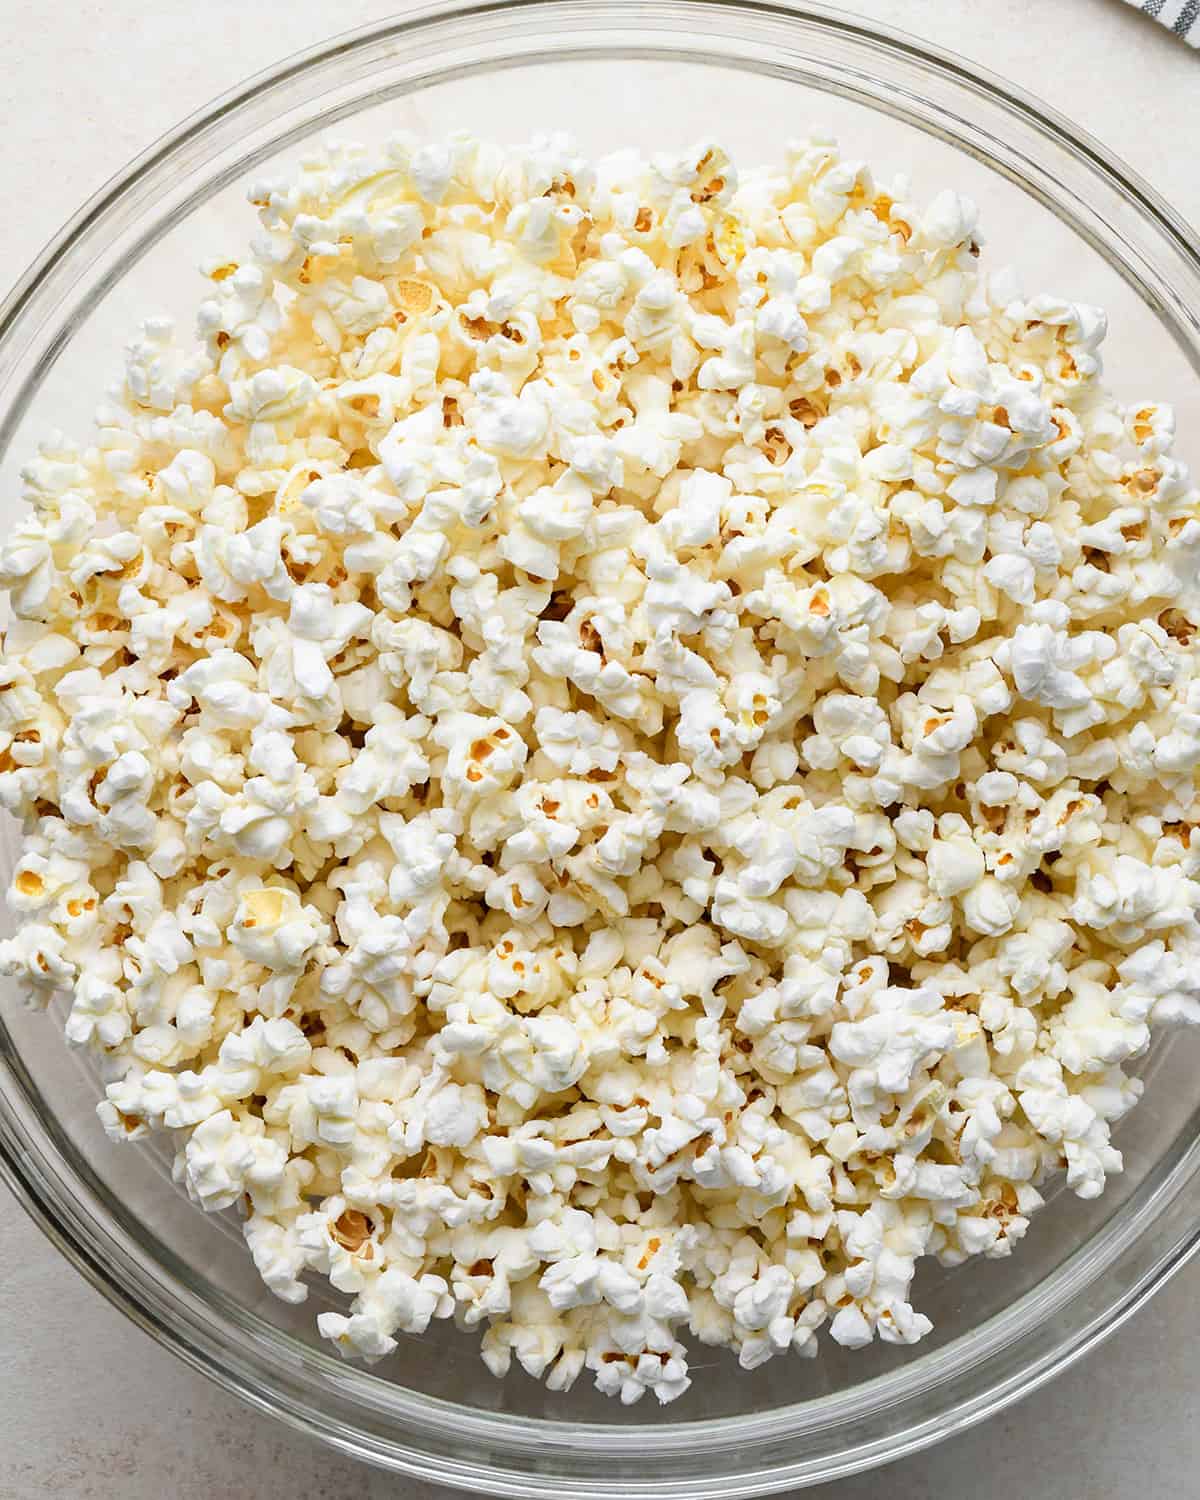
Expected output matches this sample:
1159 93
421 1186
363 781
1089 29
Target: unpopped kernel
613 749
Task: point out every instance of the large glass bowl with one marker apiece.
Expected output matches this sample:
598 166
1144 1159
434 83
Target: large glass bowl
654 73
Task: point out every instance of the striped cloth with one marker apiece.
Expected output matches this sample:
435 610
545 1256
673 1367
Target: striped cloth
1182 16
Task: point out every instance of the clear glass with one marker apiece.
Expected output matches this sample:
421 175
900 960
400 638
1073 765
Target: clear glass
653 73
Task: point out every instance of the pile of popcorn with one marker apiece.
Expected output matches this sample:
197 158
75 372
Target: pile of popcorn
613 751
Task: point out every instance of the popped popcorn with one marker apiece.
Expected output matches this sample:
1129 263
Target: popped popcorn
613 749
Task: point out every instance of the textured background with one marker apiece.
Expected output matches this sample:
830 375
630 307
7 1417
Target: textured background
90 1408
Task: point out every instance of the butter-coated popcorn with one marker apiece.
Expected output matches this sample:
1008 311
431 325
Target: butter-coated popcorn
613 749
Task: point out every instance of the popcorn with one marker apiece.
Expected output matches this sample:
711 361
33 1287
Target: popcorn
221 1160
274 928
614 751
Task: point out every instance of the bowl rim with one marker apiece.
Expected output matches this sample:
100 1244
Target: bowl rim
51 1196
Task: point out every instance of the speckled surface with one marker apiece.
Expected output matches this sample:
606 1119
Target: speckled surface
90 1408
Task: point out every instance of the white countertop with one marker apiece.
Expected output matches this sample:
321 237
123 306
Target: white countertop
90 1408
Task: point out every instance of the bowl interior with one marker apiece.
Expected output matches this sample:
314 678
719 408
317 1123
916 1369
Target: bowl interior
619 97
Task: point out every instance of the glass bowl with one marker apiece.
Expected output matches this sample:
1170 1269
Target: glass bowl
654 73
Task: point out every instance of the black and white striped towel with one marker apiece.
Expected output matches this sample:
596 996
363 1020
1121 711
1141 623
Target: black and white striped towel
1182 16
